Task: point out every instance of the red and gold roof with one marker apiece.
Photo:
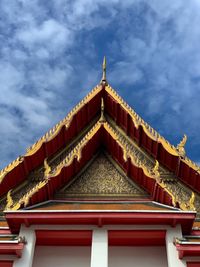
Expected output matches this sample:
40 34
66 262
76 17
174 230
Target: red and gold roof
101 157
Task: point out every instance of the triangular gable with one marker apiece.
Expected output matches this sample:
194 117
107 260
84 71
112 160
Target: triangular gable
101 178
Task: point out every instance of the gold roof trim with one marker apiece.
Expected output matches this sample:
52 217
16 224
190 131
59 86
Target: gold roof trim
65 122
10 167
152 133
77 151
25 199
127 152
149 172
51 133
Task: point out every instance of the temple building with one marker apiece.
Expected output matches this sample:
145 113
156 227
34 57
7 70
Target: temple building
101 189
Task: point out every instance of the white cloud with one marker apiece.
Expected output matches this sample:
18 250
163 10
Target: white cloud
50 34
50 52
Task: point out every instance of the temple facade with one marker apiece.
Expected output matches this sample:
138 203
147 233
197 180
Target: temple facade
101 189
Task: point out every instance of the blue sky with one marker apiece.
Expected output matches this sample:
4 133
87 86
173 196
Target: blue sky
51 54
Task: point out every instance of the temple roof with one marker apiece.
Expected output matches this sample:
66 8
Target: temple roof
138 161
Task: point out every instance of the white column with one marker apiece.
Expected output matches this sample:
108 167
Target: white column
99 256
26 259
172 253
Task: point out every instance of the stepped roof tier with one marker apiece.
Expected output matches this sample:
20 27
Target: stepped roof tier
101 157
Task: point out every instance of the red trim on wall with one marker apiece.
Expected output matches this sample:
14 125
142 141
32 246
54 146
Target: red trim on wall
193 264
11 249
6 263
136 237
63 237
187 250
115 237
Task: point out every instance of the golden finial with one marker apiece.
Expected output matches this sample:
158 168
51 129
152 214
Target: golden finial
47 168
103 80
191 201
181 146
102 118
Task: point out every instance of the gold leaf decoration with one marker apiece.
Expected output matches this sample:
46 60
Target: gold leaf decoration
181 146
47 168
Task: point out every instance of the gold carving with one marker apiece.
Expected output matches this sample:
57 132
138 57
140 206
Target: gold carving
191 202
47 168
26 198
181 146
77 151
9 202
156 172
102 178
127 150
102 118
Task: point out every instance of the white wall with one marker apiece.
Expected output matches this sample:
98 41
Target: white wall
137 257
46 256
118 257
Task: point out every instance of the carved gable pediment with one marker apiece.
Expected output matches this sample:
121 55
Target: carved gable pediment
102 177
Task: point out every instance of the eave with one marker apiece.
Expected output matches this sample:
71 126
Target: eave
99 218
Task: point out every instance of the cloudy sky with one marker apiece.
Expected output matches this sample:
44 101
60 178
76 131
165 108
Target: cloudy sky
51 54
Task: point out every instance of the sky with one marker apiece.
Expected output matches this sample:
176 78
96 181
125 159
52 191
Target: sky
51 54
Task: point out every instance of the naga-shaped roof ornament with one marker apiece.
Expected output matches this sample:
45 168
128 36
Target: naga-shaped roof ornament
156 172
181 146
192 201
47 168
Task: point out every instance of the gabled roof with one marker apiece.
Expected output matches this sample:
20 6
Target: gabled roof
102 118
101 134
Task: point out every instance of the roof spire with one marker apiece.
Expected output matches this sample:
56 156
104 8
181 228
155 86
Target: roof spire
103 80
